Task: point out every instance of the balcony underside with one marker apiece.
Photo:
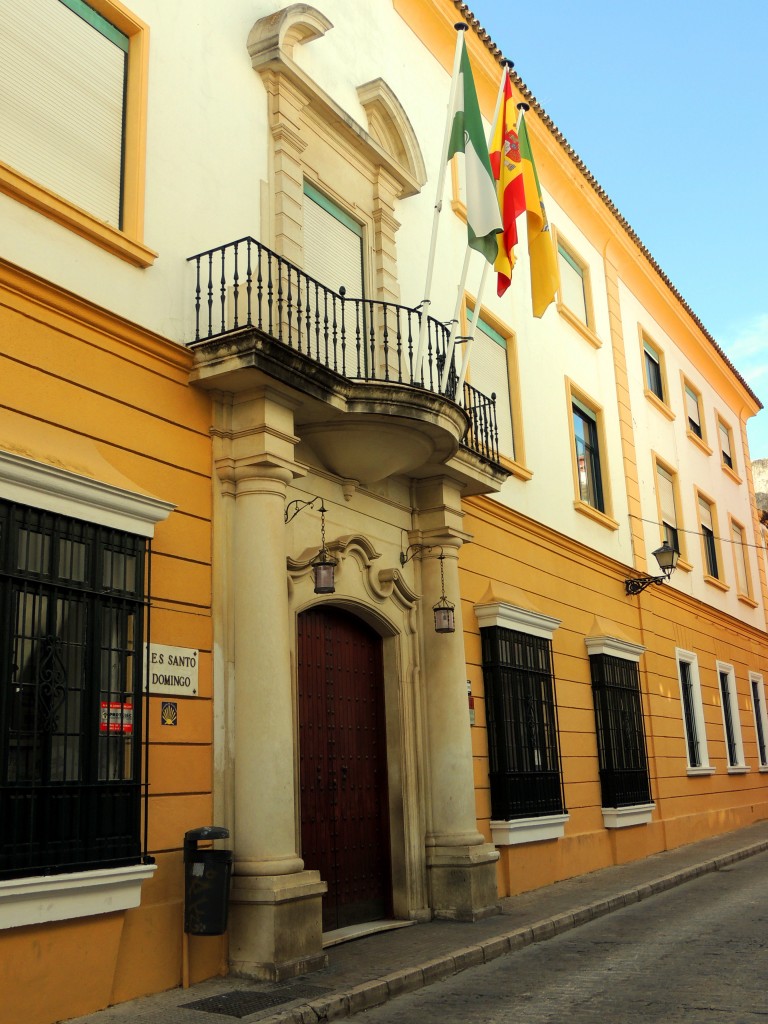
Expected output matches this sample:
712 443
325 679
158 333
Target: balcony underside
359 430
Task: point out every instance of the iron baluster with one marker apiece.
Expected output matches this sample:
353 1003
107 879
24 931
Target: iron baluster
325 327
289 305
248 284
197 299
343 292
270 294
334 325
223 290
371 368
399 349
235 288
280 293
385 338
259 288
358 337
299 309
210 293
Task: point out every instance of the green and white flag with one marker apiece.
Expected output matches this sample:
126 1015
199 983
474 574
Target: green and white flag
467 137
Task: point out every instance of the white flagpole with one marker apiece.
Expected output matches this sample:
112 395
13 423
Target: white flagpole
472 329
416 373
465 268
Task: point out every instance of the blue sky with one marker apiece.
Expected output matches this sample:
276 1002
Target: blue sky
665 103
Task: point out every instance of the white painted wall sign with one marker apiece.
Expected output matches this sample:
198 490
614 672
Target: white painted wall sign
172 670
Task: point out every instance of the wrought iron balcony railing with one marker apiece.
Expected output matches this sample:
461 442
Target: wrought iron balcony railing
244 285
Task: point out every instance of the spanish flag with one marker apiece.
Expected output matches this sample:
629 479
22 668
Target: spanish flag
507 169
545 279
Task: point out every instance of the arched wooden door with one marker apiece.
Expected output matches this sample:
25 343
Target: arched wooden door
343 773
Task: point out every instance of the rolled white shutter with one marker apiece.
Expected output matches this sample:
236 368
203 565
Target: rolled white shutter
332 248
666 497
490 374
62 87
692 405
705 514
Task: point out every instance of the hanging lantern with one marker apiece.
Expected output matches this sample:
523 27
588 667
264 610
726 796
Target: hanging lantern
444 617
323 564
444 610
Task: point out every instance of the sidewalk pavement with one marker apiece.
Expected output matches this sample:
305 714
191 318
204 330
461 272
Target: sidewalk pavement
371 970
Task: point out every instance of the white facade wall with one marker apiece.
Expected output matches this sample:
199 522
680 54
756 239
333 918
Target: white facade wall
656 433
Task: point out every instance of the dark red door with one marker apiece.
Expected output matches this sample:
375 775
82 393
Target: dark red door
343 774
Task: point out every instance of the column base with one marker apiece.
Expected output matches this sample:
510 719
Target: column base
463 881
275 925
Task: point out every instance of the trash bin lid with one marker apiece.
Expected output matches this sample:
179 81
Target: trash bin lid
206 832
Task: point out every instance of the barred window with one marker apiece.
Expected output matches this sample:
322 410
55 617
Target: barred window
525 771
71 630
623 761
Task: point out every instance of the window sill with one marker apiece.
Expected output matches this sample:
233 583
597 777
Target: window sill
460 209
699 442
746 599
585 331
763 769
659 403
738 769
731 473
528 830
684 566
516 468
57 209
626 817
593 513
44 898
713 581
702 769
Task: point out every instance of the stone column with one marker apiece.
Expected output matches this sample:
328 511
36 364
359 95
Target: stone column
461 865
276 911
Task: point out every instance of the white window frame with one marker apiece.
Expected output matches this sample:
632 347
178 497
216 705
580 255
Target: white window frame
738 765
725 444
697 708
522 620
125 241
487 335
574 284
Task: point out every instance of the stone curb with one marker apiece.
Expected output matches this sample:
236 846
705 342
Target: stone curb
410 979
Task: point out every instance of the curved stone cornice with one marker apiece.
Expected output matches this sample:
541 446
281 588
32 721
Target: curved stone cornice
389 124
381 586
281 31
391 142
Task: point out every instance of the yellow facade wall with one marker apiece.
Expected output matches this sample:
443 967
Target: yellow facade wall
545 572
88 392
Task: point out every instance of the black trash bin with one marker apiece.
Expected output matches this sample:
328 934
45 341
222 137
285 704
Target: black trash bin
207 875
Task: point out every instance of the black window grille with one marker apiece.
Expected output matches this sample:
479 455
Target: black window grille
730 734
623 762
689 715
757 704
520 704
71 631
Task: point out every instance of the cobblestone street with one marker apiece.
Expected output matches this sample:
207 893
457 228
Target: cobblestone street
694 955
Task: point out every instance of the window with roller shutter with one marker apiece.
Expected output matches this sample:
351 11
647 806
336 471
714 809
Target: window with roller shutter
62 101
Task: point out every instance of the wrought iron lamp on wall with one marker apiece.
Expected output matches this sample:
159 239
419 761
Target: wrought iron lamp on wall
323 564
445 621
667 558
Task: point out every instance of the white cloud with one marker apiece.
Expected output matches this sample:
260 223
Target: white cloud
747 348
